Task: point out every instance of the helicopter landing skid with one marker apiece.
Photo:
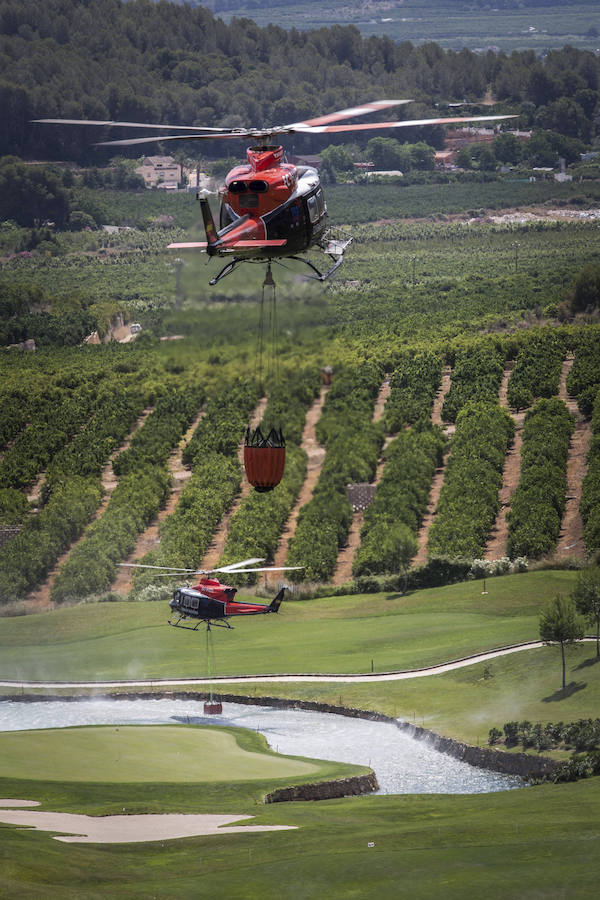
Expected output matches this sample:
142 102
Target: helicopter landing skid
197 625
226 270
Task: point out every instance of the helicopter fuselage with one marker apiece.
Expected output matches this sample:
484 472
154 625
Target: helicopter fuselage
277 201
211 601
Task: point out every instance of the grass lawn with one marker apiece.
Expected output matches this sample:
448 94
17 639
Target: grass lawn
128 641
136 753
538 842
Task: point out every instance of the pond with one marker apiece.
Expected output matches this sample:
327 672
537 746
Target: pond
402 764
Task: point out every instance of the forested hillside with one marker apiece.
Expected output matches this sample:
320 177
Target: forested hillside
160 62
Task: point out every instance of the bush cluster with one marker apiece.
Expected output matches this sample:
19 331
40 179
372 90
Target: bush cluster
216 478
476 376
589 506
584 378
413 386
222 428
162 430
91 447
27 559
55 423
401 496
468 502
256 527
581 736
538 503
352 444
91 567
537 369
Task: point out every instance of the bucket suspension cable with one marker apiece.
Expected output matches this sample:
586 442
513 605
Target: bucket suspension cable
264 454
267 351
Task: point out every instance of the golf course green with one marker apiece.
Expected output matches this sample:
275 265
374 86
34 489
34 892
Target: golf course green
176 753
538 842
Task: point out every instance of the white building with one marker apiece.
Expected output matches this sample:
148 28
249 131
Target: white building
160 172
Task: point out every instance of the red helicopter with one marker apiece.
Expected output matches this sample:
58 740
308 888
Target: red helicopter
210 601
271 209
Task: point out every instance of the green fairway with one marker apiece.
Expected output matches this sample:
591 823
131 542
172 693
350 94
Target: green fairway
539 842
138 753
128 641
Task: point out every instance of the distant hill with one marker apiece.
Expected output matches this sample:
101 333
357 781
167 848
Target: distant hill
507 24
140 61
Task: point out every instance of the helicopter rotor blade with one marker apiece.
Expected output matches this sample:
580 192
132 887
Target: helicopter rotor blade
261 569
172 569
217 134
244 562
405 123
363 109
181 575
129 124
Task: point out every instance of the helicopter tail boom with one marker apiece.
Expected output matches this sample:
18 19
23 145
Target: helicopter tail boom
209 224
277 601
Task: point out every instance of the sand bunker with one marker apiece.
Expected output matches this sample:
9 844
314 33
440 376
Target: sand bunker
125 829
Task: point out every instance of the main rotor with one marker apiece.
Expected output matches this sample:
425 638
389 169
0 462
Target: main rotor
318 125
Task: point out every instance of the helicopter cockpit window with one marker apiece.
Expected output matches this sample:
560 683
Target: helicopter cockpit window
320 202
313 209
258 186
237 187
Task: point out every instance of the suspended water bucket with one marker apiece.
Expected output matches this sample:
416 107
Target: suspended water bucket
213 708
264 459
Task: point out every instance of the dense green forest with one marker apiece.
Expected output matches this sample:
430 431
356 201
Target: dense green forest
160 62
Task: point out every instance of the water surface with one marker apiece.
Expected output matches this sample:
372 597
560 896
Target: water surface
402 764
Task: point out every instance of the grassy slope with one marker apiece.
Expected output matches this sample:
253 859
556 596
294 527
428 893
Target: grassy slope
540 842
130 641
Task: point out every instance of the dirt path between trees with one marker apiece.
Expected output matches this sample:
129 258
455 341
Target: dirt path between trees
570 540
217 545
41 596
438 479
316 455
149 539
343 569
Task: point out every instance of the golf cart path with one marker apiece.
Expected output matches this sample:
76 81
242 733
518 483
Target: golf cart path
241 679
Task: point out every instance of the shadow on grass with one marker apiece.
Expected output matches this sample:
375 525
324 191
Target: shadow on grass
570 689
588 662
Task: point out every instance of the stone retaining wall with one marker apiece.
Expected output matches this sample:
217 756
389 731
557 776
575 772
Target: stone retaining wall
326 790
483 757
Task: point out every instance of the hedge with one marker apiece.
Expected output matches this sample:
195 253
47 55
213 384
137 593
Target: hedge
92 565
28 558
352 443
256 527
469 503
537 369
538 503
476 376
402 495
413 386
589 506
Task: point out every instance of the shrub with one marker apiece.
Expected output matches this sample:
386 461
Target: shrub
538 502
468 502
